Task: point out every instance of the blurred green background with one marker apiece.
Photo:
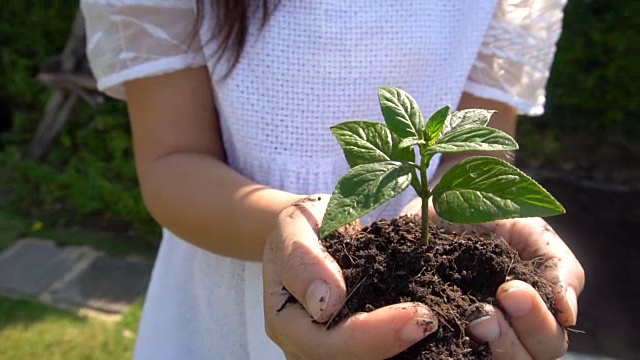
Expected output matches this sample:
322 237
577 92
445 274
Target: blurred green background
88 176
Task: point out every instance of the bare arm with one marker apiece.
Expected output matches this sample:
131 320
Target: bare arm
186 184
504 119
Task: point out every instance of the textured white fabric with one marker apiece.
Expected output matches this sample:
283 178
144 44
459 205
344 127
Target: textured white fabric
315 64
516 54
127 40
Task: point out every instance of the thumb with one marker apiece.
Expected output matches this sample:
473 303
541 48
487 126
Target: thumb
305 269
385 332
380 334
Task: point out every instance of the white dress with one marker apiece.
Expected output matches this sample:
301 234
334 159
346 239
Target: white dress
317 62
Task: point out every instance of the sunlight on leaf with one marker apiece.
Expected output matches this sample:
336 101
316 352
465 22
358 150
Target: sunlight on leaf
484 188
363 189
401 113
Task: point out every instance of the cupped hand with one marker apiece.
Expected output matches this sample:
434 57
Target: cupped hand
532 331
295 263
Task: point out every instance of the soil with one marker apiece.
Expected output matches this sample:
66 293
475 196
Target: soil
387 263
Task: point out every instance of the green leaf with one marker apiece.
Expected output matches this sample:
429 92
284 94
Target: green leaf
435 124
365 142
465 118
474 139
484 188
401 112
409 142
363 189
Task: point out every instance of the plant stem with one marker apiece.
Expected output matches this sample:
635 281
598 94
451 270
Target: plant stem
426 194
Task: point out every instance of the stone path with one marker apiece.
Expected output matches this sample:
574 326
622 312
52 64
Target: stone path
75 277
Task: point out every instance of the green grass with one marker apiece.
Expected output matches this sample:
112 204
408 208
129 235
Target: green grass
11 228
14 227
30 330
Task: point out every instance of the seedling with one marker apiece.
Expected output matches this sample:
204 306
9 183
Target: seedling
383 164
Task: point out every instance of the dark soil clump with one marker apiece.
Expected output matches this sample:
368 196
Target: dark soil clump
386 263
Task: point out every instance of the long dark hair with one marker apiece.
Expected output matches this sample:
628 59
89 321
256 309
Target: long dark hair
232 24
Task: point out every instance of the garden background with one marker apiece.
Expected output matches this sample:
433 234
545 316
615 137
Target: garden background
85 192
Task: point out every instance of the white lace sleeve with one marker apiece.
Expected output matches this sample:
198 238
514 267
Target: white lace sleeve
129 39
515 58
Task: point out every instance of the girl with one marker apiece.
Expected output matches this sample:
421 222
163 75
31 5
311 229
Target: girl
230 104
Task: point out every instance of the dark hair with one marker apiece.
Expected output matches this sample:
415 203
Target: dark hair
232 24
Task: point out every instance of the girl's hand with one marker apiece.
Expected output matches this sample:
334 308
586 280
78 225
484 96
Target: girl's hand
294 260
532 332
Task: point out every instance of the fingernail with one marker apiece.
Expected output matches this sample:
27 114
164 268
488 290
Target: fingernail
572 300
317 297
419 327
485 329
516 301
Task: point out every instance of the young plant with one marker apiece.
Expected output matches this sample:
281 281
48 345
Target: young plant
383 164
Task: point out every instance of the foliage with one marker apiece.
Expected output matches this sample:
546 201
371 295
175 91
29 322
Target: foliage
596 74
89 176
30 32
478 189
90 173
30 330
14 227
